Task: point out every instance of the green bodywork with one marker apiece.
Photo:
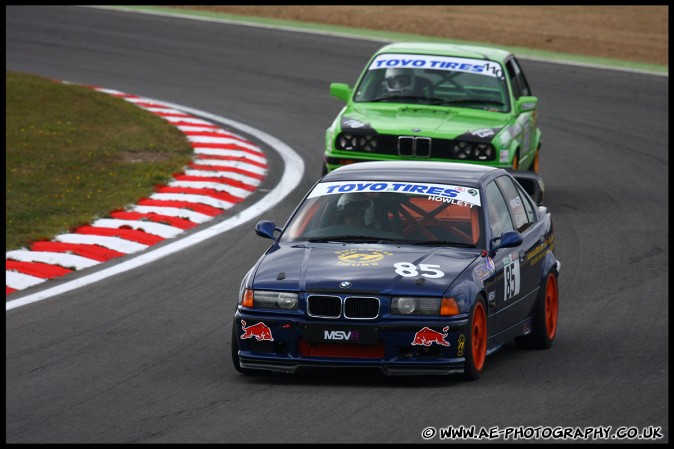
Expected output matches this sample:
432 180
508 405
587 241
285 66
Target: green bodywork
475 107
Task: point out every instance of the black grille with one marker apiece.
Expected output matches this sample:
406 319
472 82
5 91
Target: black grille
422 147
324 306
441 148
355 307
361 307
408 146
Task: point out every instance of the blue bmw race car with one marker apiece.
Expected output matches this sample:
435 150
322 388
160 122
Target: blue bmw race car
411 267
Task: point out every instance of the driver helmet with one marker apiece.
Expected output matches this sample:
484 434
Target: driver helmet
356 204
399 80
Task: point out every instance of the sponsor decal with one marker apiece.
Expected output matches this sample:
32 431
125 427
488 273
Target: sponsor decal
526 328
504 156
511 277
427 336
516 202
341 335
259 331
451 64
350 123
463 194
485 270
535 255
472 192
505 138
461 344
361 257
484 132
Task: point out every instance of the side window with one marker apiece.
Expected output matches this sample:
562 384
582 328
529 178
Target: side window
512 76
499 216
521 79
524 85
515 203
517 79
528 204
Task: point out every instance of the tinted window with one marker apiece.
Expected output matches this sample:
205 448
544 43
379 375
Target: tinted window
515 203
521 79
517 79
446 215
528 204
499 215
437 80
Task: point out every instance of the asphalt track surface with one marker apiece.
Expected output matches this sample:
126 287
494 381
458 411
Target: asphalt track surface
143 356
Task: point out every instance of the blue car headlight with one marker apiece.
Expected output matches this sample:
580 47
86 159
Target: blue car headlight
410 305
266 299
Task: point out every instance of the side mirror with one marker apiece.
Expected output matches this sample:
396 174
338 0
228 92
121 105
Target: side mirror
341 91
509 239
526 104
266 229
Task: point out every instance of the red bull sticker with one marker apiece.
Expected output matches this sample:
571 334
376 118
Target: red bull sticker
259 331
361 257
427 336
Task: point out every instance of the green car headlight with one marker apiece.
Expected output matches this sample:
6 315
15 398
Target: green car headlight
473 151
484 152
356 142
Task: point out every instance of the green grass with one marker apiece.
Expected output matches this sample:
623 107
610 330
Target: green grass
73 155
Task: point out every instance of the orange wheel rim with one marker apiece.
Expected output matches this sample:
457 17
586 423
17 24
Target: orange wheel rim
551 306
516 162
479 337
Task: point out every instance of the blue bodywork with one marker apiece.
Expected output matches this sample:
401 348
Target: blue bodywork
345 289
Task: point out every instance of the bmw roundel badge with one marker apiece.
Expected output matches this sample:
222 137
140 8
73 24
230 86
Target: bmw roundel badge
345 284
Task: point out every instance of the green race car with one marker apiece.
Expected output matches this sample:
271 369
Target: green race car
437 102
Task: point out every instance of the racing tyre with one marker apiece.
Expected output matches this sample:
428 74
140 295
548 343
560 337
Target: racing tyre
476 343
544 326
